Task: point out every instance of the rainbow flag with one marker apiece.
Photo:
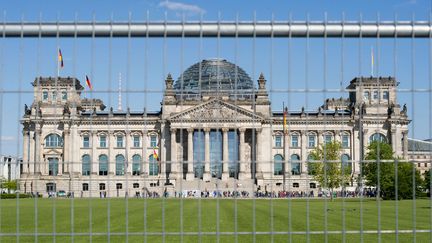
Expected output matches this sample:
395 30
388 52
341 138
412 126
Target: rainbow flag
155 155
88 83
60 58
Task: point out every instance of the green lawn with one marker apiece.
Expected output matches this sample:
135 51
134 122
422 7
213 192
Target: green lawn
148 219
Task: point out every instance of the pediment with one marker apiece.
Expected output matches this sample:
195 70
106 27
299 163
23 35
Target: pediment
216 110
53 151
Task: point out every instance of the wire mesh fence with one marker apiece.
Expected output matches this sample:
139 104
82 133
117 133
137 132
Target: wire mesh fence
239 131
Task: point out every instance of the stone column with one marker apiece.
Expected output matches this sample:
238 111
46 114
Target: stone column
225 157
144 160
38 150
66 151
207 174
286 146
405 144
31 156
258 152
111 162
243 174
303 152
364 143
174 163
162 151
25 158
128 160
190 172
94 170
393 140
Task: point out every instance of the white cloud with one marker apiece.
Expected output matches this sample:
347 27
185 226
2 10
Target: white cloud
181 7
7 138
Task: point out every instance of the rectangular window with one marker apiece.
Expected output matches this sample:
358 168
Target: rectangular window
102 141
64 95
86 142
386 95
119 186
45 95
294 141
135 185
102 186
278 141
136 141
52 166
153 141
85 187
375 94
311 141
119 141
328 138
345 141
54 95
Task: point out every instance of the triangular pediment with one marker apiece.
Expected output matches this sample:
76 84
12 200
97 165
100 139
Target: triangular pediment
216 110
53 151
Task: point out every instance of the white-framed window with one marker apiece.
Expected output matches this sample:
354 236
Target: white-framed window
54 96
85 187
385 95
45 95
136 141
64 95
345 141
102 141
328 138
311 141
366 95
375 94
120 141
53 141
86 141
294 140
278 141
153 141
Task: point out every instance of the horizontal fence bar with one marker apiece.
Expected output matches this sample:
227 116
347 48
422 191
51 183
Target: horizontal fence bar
417 29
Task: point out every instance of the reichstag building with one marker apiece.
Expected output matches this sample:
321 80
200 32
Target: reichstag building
215 131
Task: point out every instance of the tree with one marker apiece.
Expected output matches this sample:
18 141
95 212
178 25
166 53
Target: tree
10 185
328 172
380 169
426 182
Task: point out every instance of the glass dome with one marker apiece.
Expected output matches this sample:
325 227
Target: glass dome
216 76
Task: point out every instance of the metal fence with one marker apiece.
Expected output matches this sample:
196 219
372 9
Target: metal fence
120 140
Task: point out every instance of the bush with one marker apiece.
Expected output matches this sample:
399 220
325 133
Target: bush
13 195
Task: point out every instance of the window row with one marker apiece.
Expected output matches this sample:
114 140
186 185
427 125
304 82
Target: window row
54 94
102 186
376 95
311 140
120 141
120 165
279 165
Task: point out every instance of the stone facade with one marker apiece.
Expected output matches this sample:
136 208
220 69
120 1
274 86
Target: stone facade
79 146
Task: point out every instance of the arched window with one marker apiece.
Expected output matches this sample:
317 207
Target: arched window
153 166
136 164
103 164
53 141
366 96
346 164
278 164
295 165
86 168
120 164
377 137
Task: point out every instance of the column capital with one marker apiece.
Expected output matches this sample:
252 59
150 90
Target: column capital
405 133
242 129
66 131
258 130
25 132
94 132
173 130
206 129
190 130
393 130
225 129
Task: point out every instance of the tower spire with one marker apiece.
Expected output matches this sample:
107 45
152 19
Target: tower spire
119 107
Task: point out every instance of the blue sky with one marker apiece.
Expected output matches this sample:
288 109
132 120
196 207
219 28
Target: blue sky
145 62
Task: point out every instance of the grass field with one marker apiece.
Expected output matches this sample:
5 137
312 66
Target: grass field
157 220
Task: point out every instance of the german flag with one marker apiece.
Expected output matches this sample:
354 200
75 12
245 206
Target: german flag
60 58
88 83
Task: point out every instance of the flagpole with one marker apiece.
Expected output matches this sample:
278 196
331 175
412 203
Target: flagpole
58 66
284 139
372 61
